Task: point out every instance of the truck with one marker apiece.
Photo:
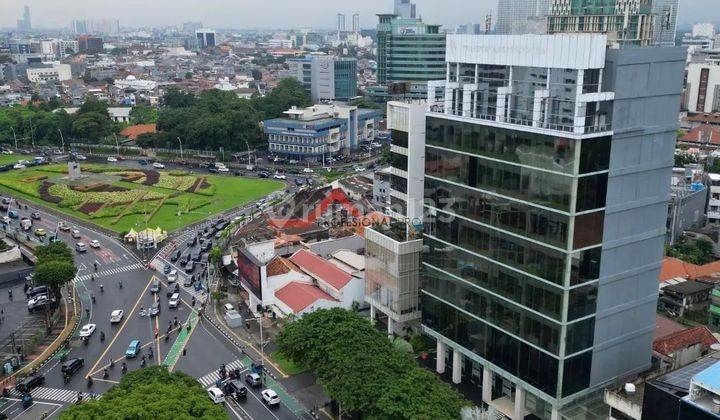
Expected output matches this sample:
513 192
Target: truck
25 223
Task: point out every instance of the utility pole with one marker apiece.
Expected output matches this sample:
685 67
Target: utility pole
61 139
181 151
117 145
14 136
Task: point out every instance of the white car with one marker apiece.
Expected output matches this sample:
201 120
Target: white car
116 316
223 169
359 169
172 276
87 330
308 170
94 244
216 395
270 397
228 307
80 157
19 166
7 152
112 159
158 165
279 176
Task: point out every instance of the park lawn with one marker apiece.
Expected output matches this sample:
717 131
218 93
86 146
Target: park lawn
286 365
176 210
8 159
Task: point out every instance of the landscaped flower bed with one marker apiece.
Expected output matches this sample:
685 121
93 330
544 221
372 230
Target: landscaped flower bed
72 198
173 182
25 188
98 187
151 177
46 195
90 207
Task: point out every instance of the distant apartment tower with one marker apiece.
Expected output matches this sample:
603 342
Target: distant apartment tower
88 44
546 189
356 23
326 77
206 38
25 24
521 16
400 39
635 22
405 9
702 86
340 22
96 26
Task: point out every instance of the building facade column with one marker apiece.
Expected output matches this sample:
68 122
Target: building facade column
441 355
487 385
519 403
555 414
372 313
457 366
391 328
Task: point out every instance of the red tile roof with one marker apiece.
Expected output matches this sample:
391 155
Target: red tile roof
684 339
298 296
321 269
704 134
278 266
134 131
673 268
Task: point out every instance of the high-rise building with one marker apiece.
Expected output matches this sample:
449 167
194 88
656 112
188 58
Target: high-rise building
702 87
96 26
546 178
206 38
405 9
25 24
340 22
88 44
521 16
637 22
325 77
191 27
356 23
409 54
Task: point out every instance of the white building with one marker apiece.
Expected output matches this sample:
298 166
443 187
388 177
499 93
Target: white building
713 213
131 82
702 92
54 71
706 30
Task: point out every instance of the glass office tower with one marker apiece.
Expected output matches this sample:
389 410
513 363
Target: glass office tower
546 186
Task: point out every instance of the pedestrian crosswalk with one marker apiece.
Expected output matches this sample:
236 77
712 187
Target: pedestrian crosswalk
110 272
213 376
56 394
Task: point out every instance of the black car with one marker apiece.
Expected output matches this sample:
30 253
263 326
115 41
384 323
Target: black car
175 256
194 241
213 170
189 281
175 288
235 388
189 266
167 269
298 182
30 383
71 366
196 256
155 309
35 216
37 290
185 258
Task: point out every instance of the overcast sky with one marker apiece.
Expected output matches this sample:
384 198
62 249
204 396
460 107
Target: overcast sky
271 13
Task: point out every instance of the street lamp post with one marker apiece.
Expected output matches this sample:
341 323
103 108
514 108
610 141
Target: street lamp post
181 150
117 145
248 147
62 139
14 136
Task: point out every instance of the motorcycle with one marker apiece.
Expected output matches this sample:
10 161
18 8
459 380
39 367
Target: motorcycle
89 381
112 363
66 378
102 336
105 374
124 367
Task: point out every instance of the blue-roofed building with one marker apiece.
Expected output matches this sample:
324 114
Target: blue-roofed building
321 131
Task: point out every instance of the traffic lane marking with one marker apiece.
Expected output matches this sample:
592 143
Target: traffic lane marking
122 327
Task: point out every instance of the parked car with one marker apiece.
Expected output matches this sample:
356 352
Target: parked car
37 290
158 165
133 349
87 330
116 316
71 366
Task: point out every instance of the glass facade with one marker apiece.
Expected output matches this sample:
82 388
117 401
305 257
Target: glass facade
512 246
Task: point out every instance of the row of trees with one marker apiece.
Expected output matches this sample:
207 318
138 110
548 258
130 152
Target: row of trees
217 118
361 369
147 393
45 124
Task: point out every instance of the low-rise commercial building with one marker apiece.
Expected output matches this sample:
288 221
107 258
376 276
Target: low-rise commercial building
325 77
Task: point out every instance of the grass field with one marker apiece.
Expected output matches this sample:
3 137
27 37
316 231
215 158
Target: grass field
122 199
8 159
286 365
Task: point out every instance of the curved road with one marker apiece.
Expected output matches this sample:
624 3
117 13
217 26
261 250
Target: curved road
205 349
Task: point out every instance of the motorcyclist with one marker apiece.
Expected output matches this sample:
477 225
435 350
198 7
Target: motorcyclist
102 336
105 373
102 289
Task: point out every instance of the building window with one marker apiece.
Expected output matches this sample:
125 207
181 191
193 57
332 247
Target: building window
399 161
399 138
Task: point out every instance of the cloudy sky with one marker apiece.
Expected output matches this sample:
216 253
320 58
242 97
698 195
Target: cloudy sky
271 13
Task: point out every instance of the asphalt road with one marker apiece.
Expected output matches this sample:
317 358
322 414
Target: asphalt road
206 349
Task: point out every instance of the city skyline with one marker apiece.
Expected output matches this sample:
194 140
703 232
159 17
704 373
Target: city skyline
312 13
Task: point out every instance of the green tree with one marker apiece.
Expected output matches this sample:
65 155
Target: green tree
147 393
93 105
365 103
92 126
55 274
695 252
256 74
56 251
141 114
175 98
360 368
288 93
